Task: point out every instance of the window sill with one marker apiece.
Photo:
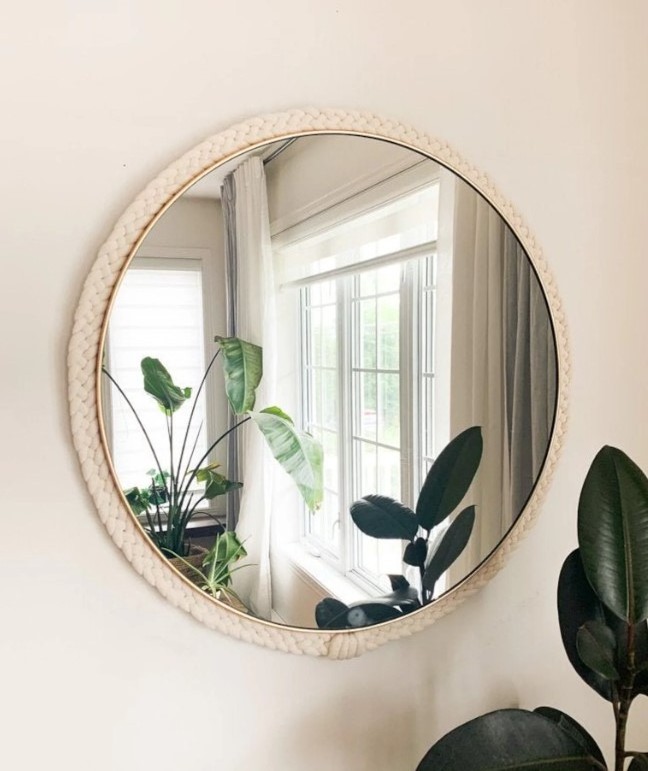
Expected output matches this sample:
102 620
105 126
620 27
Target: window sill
324 578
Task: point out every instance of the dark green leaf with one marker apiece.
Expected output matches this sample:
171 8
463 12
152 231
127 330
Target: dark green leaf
369 613
243 369
613 533
639 763
333 614
330 611
398 583
227 550
416 553
641 658
508 739
452 544
596 645
575 730
399 597
299 454
138 500
577 604
383 517
449 478
158 383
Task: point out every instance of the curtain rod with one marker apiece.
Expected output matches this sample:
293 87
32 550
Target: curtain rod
279 150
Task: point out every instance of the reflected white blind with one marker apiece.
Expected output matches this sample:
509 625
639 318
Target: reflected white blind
404 222
158 312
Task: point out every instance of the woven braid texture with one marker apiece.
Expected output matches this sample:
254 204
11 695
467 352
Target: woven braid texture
83 355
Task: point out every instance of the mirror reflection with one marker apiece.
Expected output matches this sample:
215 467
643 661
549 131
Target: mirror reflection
329 381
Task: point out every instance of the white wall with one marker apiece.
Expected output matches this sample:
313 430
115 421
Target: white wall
98 671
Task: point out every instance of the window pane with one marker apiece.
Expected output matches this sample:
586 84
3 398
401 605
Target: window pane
367 332
389 409
389 276
365 405
388 332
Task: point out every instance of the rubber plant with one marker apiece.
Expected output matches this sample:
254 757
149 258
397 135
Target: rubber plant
602 611
174 495
379 516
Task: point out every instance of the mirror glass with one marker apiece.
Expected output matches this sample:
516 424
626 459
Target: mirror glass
329 381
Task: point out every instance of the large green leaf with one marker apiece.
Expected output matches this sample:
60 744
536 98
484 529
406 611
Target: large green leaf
243 369
509 739
449 478
331 614
639 762
613 533
596 645
568 724
383 517
297 451
159 383
450 547
577 604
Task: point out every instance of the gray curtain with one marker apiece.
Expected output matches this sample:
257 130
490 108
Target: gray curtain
503 373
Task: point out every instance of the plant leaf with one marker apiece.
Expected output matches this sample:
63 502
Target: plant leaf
368 613
574 729
383 517
449 478
639 763
297 452
138 500
613 533
416 553
215 484
596 645
641 659
398 583
159 384
578 604
333 614
329 611
508 739
227 550
243 369
450 547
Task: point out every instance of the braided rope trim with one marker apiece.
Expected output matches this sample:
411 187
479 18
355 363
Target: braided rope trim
87 335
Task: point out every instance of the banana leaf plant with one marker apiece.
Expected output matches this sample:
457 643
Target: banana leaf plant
602 611
379 516
176 493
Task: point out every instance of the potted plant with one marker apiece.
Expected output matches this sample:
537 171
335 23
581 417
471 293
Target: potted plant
431 553
602 610
175 493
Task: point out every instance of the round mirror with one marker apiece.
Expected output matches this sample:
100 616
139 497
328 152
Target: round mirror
329 381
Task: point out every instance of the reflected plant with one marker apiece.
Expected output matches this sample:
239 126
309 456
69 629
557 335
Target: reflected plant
214 576
173 496
603 612
379 516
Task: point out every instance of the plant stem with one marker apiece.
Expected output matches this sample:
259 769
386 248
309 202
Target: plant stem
141 425
191 414
624 703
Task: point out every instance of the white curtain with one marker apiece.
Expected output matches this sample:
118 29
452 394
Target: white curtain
252 317
503 375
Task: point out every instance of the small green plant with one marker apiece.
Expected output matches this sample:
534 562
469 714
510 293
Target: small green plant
602 610
214 576
173 496
378 516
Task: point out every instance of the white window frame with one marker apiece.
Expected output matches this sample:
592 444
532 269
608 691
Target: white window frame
347 562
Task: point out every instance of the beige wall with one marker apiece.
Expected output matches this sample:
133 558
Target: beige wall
98 671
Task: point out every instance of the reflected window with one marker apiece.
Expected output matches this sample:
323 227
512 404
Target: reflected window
368 365
159 313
